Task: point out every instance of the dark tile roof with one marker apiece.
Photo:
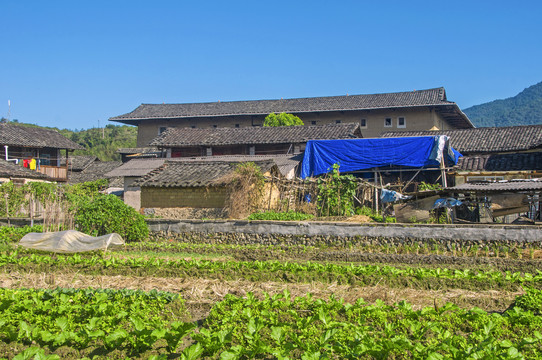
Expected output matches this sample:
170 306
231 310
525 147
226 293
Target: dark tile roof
284 162
94 171
484 140
140 150
501 162
78 162
430 97
136 168
254 135
141 167
34 137
9 170
500 186
194 174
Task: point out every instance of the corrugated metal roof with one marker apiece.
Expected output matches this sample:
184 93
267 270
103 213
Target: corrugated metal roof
500 186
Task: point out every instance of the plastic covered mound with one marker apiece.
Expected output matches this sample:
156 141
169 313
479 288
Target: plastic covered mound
69 241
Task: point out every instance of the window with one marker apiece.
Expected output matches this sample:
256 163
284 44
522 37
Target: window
401 122
236 125
337 121
215 126
363 123
161 130
193 126
313 122
387 122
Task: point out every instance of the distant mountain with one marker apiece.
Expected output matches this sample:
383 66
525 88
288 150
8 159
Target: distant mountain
523 109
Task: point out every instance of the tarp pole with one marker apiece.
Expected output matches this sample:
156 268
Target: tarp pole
376 190
443 171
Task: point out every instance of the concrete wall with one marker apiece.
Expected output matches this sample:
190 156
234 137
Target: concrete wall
265 231
423 118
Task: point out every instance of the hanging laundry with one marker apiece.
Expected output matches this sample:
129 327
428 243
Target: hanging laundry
32 164
26 162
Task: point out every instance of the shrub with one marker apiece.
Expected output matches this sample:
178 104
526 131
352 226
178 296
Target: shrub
336 193
280 216
282 119
107 214
10 234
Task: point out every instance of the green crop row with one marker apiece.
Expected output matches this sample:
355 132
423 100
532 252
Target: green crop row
273 327
344 272
108 319
305 328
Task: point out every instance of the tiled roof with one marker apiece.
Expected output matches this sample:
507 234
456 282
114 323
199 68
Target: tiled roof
500 186
136 167
194 174
94 171
78 162
10 170
141 167
34 137
140 150
430 97
484 140
254 135
501 162
284 162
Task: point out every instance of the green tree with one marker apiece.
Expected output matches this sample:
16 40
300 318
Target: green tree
282 119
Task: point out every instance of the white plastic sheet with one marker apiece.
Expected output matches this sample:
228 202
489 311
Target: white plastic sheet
69 241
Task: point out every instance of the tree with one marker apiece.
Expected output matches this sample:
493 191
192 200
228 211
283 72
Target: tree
282 119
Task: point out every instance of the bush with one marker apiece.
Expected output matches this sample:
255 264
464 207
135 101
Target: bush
282 119
107 214
280 216
10 234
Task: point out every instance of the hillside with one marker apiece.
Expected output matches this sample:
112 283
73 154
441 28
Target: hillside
100 142
523 109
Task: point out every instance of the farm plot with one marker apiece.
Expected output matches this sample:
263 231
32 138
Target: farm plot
214 301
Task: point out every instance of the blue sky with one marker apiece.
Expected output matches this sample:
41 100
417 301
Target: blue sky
74 64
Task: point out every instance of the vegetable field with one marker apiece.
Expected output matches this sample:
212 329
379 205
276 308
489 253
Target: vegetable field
167 299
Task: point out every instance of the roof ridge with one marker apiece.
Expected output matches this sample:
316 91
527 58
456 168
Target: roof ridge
440 89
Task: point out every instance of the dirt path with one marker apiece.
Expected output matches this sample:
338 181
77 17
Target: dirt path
200 294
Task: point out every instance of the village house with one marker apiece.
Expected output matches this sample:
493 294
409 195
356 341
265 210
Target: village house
9 171
375 113
197 185
36 149
498 153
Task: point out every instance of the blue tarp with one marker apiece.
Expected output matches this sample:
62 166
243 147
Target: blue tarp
364 154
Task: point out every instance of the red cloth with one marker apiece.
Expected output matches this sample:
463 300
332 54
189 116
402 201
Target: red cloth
26 162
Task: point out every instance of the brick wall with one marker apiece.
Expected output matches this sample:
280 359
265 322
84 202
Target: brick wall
195 197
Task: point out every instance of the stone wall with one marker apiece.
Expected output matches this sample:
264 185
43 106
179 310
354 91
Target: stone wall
343 234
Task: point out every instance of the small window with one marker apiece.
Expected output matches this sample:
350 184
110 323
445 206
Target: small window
363 123
387 122
215 126
401 122
161 130
193 126
236 125
313 122
337 121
